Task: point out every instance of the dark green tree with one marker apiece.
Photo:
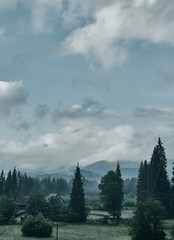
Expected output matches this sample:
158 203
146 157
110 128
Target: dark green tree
14 183
147 222
8 185
111 192
2 183
130 186
158 183
77 198
55 209
142 182
172 193
37 204
7 207
36 226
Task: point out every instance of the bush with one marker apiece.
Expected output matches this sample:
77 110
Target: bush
129 203
36 226
28 227
72 217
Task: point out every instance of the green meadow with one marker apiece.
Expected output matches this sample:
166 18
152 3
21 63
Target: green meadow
93 229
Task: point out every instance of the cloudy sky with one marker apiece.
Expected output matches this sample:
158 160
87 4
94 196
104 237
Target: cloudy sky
82 81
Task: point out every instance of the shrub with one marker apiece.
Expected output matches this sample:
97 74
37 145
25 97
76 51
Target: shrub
28 227
36 226
129 203
72 217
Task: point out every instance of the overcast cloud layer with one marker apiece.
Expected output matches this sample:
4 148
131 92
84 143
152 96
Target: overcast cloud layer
82 81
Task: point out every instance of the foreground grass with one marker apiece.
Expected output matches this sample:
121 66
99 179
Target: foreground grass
73 232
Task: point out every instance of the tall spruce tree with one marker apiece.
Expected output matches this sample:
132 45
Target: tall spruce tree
111 192
2 182
8 185
77 198
172 193
14 183
142 182
158 183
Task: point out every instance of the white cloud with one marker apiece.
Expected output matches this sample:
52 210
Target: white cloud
102 30
89 109
12 94
117 23
70 145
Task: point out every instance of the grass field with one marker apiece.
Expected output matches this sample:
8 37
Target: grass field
89 231
73 232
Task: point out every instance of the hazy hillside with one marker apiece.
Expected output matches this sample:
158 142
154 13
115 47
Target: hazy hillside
97 169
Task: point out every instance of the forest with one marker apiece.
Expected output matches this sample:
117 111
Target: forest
142 206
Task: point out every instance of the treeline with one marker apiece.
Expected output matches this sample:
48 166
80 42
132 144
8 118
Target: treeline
153 180
17 184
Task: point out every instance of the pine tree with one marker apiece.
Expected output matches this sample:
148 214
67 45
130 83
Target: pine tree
120 193
8 184
2 182
142 182
158 183
14 183
172 193
77 198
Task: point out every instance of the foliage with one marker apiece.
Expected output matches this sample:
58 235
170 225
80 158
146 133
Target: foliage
172 194
147 222
111 191
55 209
153 180
77 206
7 207
159 186
129 203
37 203
2 182
36 226
142 182
20 185
130 186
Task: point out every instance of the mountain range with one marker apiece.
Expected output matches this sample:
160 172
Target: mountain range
96 170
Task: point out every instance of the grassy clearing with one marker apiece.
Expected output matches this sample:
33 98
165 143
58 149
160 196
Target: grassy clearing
89 231
73 232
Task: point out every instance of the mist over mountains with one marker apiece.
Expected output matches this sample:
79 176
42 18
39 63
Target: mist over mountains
96 170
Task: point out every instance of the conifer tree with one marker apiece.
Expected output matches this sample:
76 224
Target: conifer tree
158 183
2 182
14 183
142 182
172 193
77 198
8 184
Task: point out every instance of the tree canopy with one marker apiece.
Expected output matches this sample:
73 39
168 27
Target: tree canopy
77 198
111 191
147 222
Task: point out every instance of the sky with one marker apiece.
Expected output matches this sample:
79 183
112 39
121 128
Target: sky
83 81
